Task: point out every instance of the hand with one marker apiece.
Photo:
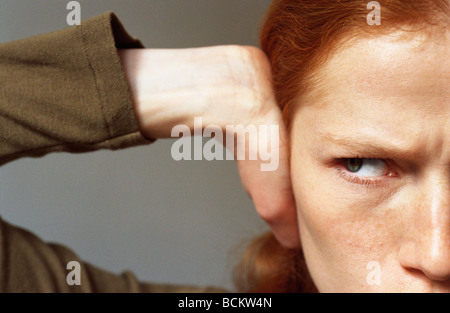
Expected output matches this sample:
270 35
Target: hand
224 85
271 191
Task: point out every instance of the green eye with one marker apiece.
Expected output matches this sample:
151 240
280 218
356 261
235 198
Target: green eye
353 165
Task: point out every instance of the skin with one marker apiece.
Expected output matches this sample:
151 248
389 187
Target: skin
386 98
224 85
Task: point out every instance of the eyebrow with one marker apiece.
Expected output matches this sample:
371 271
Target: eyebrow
376 146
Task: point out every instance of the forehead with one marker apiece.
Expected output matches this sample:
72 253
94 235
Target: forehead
384 85
391 66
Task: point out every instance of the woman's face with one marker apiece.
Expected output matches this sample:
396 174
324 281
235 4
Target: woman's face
371 168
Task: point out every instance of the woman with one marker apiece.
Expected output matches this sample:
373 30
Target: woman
358 189
368 113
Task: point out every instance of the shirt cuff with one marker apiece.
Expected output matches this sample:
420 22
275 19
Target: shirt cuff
102 36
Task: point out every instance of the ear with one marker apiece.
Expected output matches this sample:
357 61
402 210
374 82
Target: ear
272 194
279 211
271 190
273 198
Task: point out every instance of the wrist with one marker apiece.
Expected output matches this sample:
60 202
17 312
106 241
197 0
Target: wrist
222 84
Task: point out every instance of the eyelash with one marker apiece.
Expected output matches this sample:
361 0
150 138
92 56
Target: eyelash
355 179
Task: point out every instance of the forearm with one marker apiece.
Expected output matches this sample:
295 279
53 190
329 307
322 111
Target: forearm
172 86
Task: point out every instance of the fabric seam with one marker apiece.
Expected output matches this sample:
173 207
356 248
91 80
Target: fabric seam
94 74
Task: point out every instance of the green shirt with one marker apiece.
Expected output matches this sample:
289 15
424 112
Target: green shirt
65 91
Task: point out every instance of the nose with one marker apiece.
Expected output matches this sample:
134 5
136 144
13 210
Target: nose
427 245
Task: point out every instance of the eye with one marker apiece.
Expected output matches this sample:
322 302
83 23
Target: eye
365 167
368 172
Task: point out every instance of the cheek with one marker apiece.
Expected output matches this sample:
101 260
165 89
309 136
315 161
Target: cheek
341 231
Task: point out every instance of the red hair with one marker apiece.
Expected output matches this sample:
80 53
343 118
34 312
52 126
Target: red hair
298 36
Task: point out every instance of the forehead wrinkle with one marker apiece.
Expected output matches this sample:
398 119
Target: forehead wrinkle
364 141
347 91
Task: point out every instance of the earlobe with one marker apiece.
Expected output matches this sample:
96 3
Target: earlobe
281 215
287 234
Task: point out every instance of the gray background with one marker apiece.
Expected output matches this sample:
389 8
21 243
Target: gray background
174 222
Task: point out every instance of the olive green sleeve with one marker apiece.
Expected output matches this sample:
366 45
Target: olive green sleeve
27 264
67 91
